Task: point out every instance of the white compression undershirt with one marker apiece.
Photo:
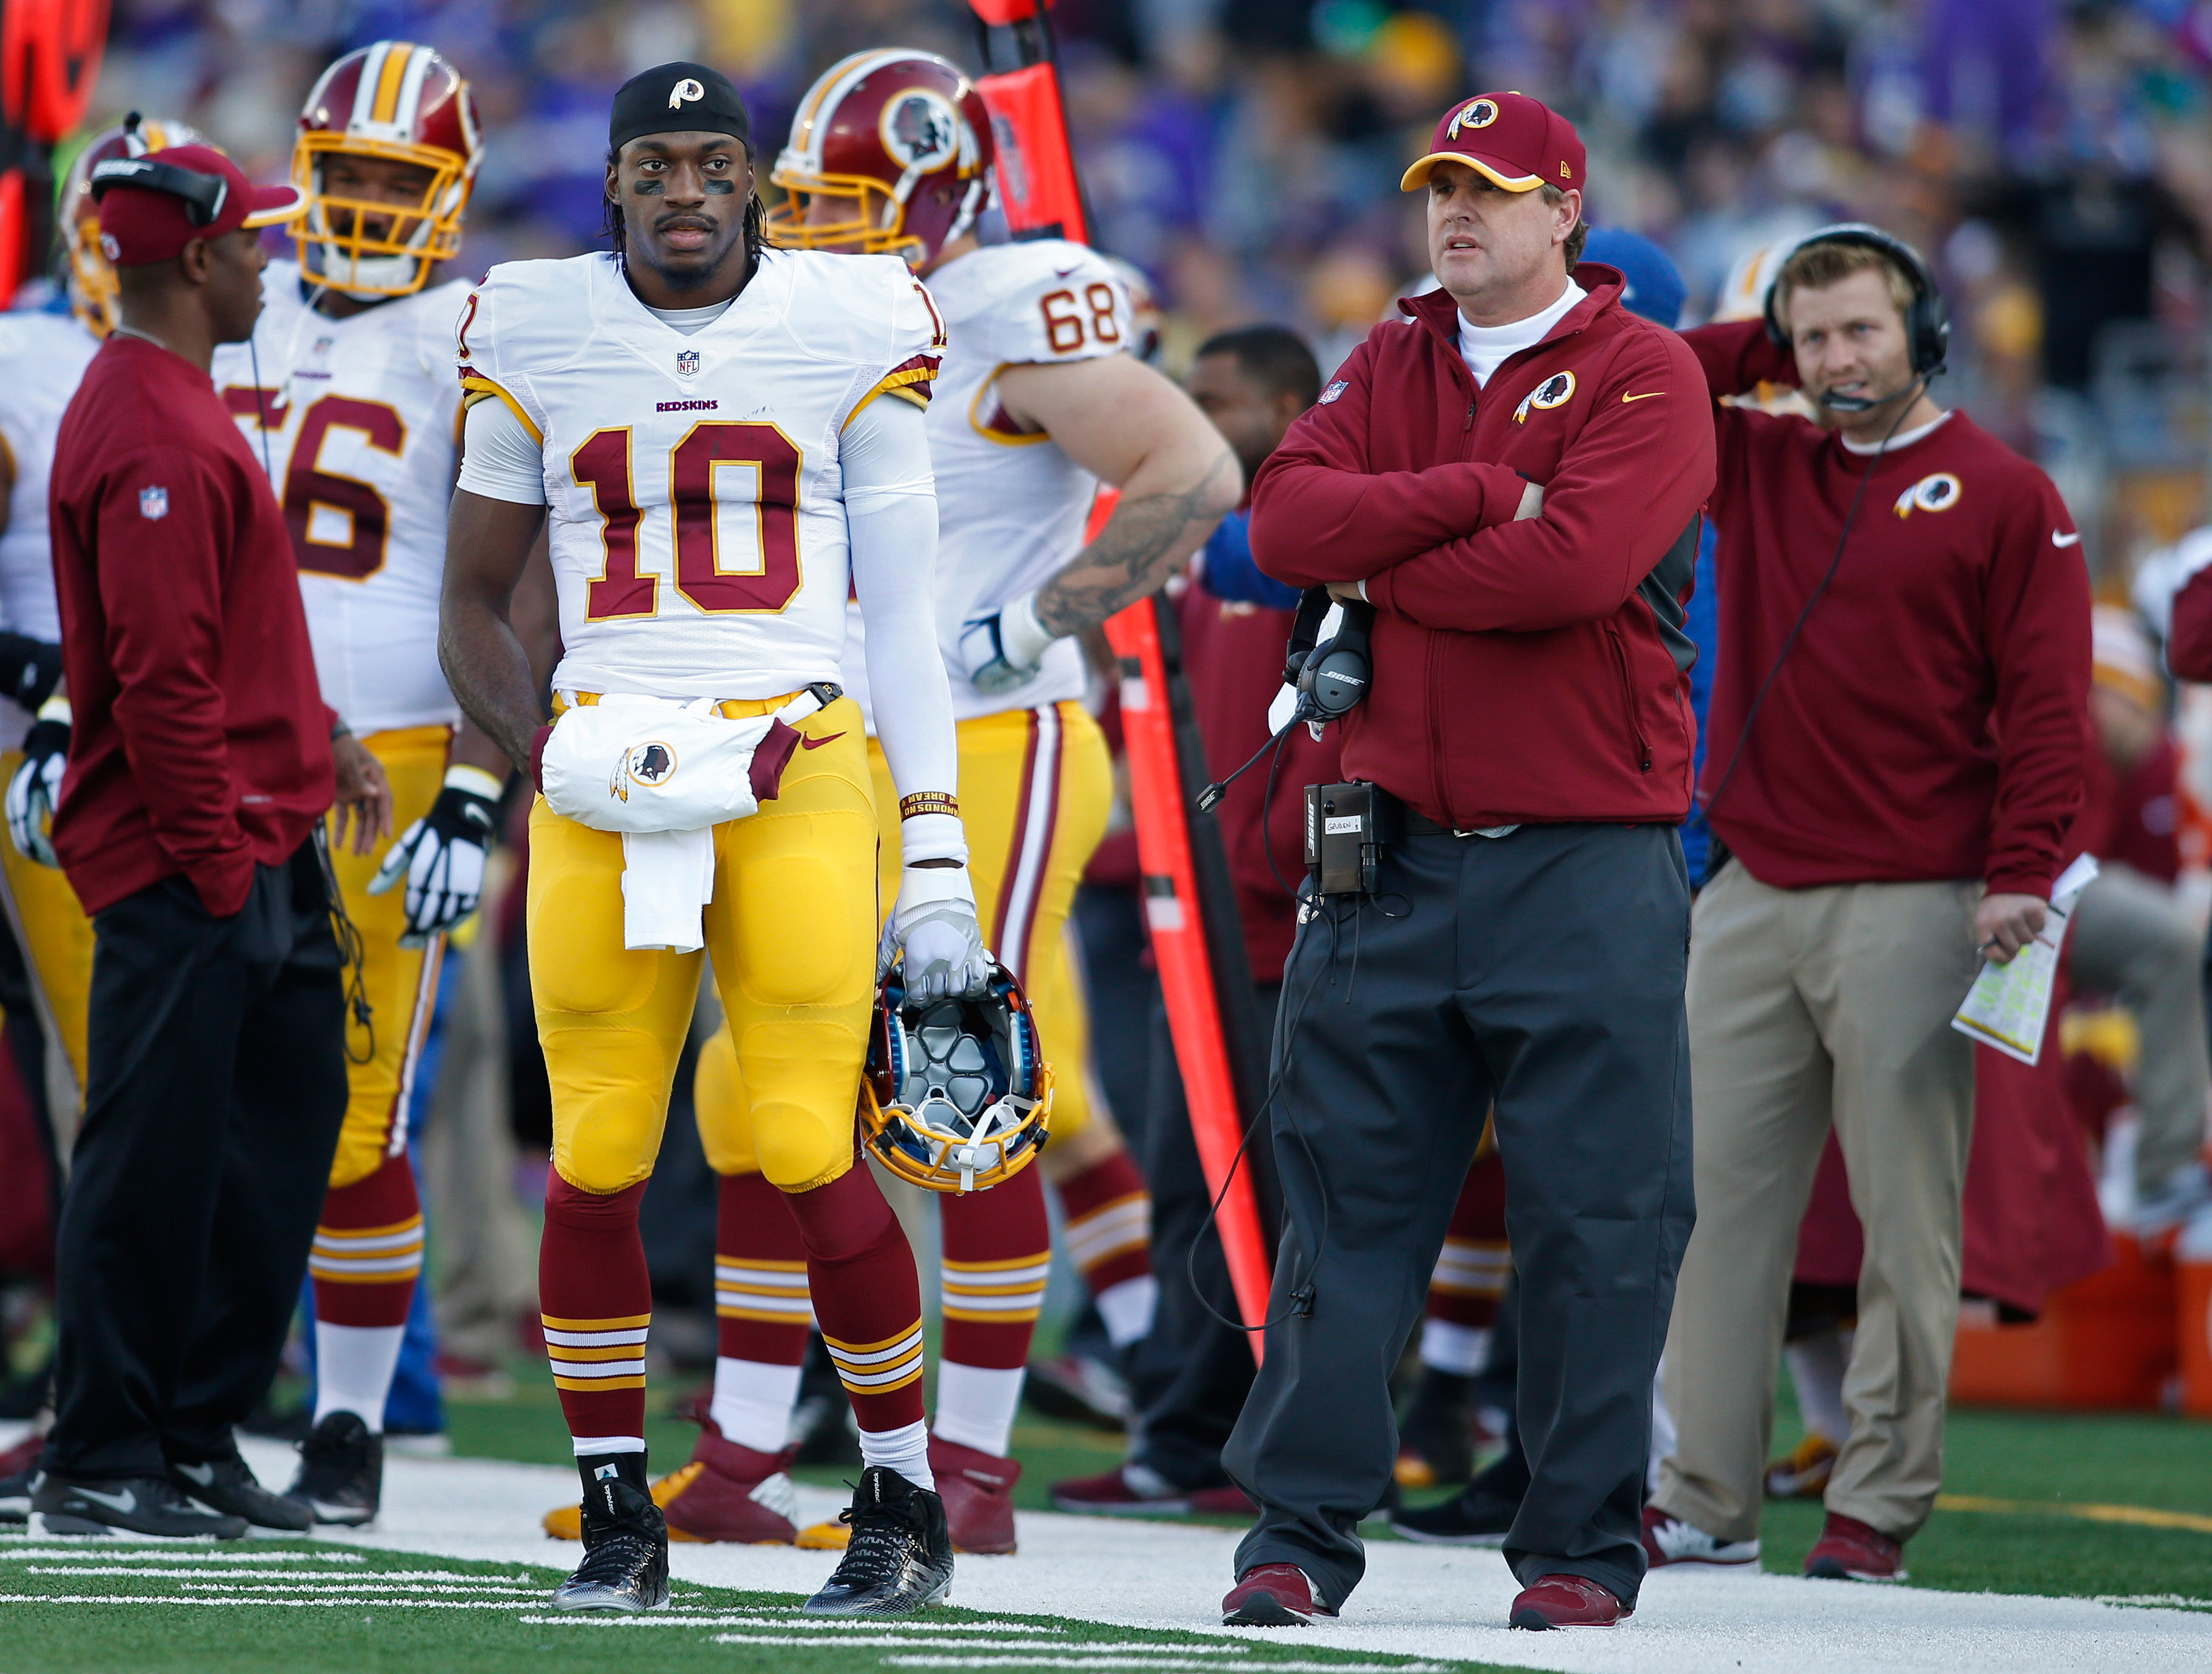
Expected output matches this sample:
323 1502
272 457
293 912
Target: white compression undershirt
1484 347
890 517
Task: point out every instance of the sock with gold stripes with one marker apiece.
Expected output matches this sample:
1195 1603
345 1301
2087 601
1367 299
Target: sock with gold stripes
762 1312
998 1253
861 1274
367 1257
598 1307
1109 1229
1469 1280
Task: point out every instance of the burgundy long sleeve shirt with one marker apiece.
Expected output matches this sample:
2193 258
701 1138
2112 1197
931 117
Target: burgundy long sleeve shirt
1931 720
201 744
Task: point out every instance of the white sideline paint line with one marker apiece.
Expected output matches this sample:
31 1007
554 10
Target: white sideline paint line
812 1624
1149 1655
271 1604
1118 1659
258 1589
292 1578
2152 1601
1438 1604
101 1549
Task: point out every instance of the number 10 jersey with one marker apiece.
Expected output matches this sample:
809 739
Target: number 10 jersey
693 484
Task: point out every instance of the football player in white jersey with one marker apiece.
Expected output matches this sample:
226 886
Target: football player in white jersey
1037 404
726 440
346 390
42 356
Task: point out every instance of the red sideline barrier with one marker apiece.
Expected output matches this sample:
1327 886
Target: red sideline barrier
1035 173
1179 947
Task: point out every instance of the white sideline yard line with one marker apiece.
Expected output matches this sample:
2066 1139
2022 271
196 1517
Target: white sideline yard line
1441 1605
165 1552
1121 1659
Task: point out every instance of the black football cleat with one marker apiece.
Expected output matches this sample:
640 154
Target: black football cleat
625 1564
228 1486
899 1557
341 1476
154 1506
19 1475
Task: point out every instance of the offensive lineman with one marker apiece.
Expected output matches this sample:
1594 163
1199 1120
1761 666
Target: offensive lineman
698 416
891 150
354 408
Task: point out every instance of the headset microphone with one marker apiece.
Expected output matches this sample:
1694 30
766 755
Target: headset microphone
1859 404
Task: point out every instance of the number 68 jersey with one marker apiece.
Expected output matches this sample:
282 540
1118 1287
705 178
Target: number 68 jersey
693 486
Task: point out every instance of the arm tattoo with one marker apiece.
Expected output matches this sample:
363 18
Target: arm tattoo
1135 552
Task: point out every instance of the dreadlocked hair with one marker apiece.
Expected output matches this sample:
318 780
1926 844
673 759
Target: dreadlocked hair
756 232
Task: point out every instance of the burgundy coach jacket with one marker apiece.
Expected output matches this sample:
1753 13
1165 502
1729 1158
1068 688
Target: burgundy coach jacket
1528 672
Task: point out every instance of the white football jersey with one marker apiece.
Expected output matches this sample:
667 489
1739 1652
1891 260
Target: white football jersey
693 484
1011 506
42 359
363 415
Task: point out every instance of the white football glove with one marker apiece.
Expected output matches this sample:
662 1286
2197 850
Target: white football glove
1001 651
36 789
934 927
442 856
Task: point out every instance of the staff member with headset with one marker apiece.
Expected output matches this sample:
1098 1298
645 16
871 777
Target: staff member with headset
1897 750
200 767
1509 479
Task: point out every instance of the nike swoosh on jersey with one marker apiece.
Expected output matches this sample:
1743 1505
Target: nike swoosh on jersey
1646 396
2057 539
1063 272
816 743
202 1474
125 1503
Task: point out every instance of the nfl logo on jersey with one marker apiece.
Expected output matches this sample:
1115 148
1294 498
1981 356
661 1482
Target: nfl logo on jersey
687 363
153 503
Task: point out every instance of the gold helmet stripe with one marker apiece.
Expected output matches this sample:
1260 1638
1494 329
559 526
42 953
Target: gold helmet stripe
397 55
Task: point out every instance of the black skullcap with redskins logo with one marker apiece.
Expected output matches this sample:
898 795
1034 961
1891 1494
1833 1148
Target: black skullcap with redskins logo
678 98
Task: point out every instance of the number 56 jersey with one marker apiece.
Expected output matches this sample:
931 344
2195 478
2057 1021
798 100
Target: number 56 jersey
361 415
693 484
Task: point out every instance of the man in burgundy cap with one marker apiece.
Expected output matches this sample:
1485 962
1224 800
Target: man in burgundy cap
1509 482
201 765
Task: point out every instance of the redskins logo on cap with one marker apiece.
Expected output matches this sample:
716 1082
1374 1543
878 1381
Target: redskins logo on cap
1938 493
1555 390
1476 113
685 92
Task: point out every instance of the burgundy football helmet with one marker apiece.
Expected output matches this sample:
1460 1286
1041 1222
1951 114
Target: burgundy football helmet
889 152
91 287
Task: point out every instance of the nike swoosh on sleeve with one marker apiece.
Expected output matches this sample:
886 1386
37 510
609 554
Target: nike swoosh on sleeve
2057 539
816 743
1646 396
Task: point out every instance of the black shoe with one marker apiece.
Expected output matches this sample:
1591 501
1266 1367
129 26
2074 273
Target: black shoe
625 1564
125 1505
228 1485
1469 1518
341 1475
1435 1438
899 1557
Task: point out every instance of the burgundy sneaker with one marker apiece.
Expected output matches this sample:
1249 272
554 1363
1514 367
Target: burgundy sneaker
1227 1500
1669 1540
1136 1490
1275 1595
1567 1601
1849 1550
978 1490
726 1493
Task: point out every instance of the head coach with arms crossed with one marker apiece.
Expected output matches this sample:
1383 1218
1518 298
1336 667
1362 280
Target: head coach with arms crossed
1897 750
200 764
1510 477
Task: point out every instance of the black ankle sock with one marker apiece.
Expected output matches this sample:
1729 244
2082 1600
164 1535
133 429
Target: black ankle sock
595 1468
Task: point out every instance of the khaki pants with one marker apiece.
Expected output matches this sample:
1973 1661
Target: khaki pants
1809 1006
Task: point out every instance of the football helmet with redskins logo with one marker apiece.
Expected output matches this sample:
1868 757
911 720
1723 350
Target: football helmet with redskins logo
889 154
91 276
955 1095
379 232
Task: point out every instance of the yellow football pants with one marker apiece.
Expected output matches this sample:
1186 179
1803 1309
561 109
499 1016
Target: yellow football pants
1035 788
792 932
56 937
401 983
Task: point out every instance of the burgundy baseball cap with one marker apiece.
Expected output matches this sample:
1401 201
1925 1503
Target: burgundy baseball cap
152 206
1518 142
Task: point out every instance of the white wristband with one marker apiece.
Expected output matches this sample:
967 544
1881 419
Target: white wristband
475 780
933 837
1021 636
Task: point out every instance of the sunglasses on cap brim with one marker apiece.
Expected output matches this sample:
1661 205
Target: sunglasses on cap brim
204 195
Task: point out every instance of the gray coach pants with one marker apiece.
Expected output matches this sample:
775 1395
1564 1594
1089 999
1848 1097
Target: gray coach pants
1544 968
1810 1007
